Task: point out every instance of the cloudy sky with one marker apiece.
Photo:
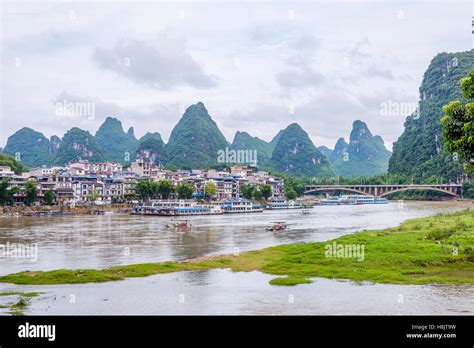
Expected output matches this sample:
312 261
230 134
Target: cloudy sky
257 66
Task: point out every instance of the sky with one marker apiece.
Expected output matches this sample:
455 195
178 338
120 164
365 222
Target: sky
256 65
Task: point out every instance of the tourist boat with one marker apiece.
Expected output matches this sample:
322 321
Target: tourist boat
187 210
278 226
305 212
180 224
175 208
240 206
283 204
353 200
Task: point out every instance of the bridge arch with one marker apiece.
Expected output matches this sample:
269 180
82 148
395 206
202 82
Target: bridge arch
336 188
419 189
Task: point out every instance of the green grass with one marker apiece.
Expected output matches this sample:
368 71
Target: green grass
289 281
419 251
25 294
22 303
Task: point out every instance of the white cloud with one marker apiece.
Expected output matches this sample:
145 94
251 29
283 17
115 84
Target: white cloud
164 64
248 62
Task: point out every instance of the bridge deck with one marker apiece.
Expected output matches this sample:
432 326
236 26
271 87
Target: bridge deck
382 190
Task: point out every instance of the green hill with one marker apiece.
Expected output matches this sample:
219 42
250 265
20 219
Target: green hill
78 144
326 151
31 147
244 141
196 139
419 151
295 155
115 144
365 155
152 148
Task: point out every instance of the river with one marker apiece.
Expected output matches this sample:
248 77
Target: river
110 240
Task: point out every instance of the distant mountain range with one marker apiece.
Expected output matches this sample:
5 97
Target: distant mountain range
195 142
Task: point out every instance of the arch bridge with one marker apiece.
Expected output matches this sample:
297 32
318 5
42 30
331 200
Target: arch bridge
383 190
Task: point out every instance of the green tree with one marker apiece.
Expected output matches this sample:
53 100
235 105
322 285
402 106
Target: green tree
458 129
257 194
210 189
94 196
146 189
248 191
49 197
10 161
185 190
13 191
468 189
4 191
31 191
291 194
165 188
266 191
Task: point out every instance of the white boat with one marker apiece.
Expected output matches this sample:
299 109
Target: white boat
353 200
283 204
176 208
240 206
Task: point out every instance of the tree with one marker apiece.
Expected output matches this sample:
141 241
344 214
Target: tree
458 128
16 166
468 189
248 191
165 187
31 191
13 191
210 189
146 189
291 194
266 191
94 195
257 194
6 194
185 190
49 197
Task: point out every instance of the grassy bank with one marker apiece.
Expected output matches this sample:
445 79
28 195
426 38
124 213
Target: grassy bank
437 249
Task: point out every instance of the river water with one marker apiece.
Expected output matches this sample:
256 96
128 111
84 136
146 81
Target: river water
110 240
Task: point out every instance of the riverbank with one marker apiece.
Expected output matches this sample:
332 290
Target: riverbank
437 249
86 209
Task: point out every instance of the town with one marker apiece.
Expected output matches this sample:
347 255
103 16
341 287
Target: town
86 182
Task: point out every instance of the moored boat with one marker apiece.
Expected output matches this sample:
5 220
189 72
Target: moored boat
353 200
185 208
240 206
276 204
